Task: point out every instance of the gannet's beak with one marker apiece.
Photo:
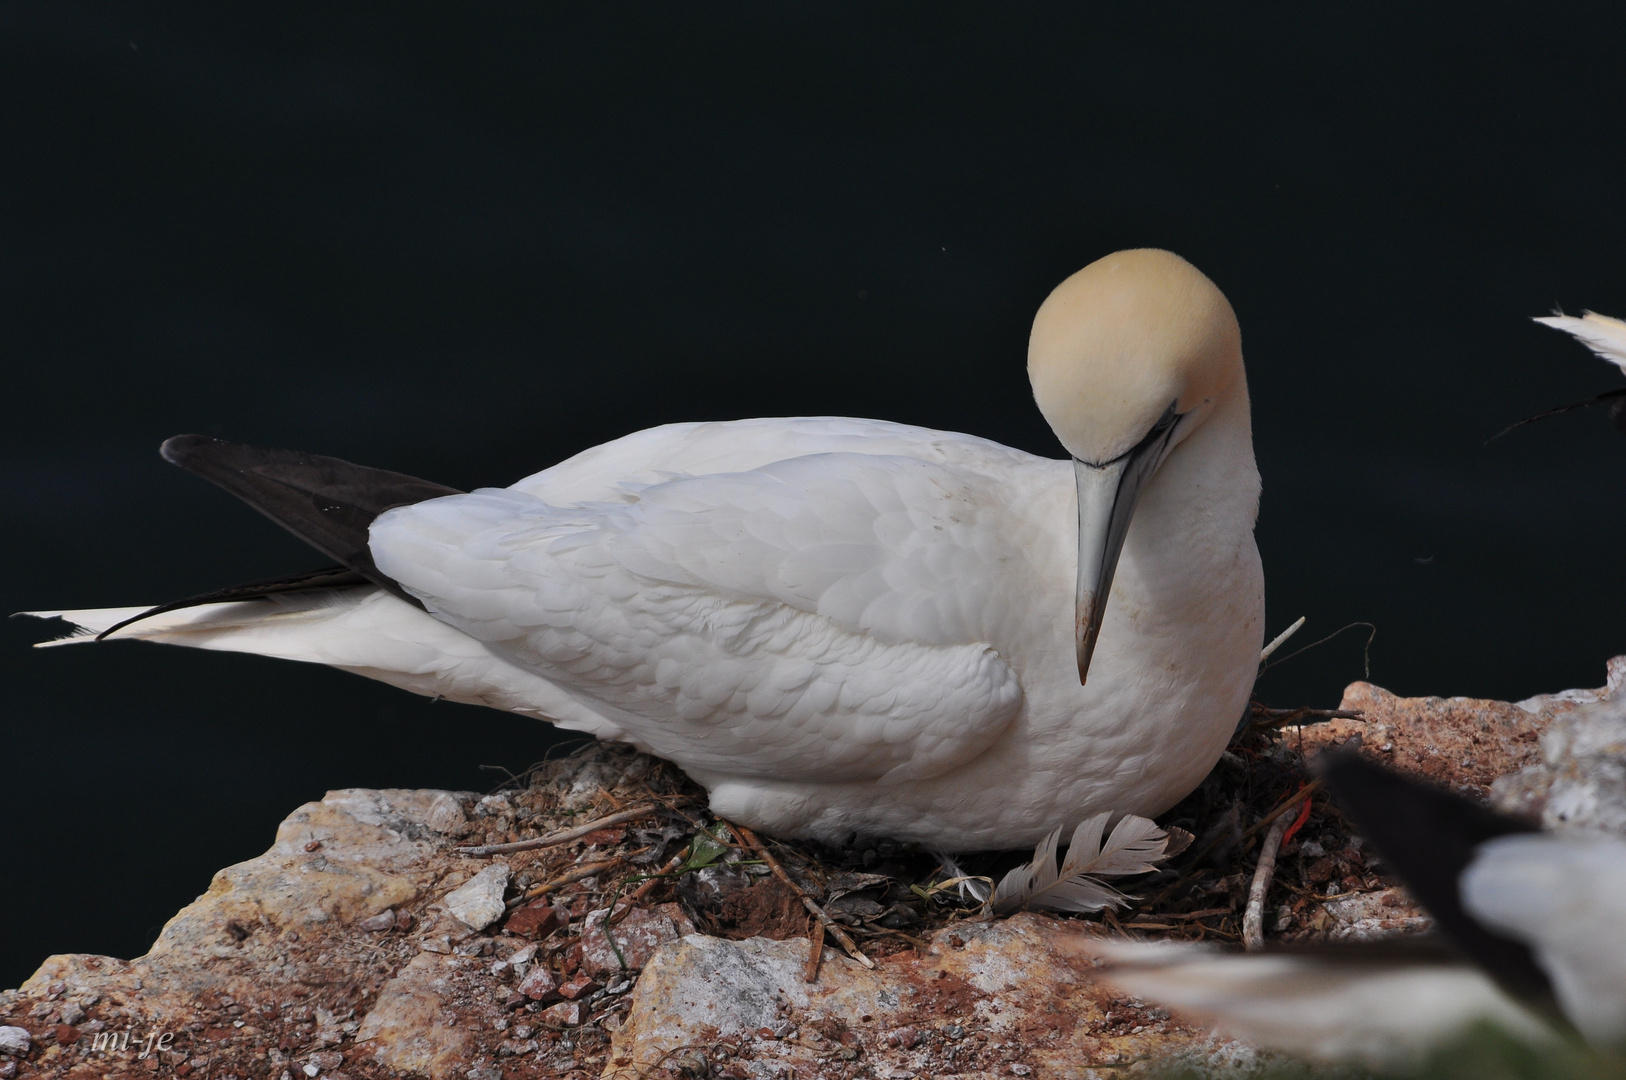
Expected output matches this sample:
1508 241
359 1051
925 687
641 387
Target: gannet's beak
1107 495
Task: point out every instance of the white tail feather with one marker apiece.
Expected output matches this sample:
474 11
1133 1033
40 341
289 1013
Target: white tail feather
89 622
362 630
84 625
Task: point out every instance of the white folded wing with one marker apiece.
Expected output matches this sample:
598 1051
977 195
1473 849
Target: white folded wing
819 618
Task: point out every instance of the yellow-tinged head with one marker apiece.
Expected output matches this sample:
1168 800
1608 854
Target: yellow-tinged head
1120 341
1127 358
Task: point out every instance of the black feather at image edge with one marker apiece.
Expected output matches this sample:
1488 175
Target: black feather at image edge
1429 836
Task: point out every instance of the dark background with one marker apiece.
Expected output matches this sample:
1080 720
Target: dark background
466 241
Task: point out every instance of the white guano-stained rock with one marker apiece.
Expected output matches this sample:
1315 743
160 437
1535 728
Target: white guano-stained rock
445 813
1579 784
477 903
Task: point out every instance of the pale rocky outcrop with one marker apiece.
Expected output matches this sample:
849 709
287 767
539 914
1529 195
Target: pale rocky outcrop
350 948
1579 781
968 1005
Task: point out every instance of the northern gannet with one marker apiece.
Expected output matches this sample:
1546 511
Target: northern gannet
837 626
1533 927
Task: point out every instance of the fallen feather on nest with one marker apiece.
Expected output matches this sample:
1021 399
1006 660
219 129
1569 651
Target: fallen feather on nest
1136 846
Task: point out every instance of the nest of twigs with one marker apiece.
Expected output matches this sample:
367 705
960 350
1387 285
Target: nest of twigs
658 844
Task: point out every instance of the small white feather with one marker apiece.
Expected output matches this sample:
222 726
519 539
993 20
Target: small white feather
1136 846
966 886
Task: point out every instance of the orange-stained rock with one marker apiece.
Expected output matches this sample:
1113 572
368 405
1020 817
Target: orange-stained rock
1463 743
636 935
408 1029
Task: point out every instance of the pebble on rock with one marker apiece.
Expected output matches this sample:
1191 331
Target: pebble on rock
15 1040
579 987
637 936
537 920
539 985
445 814
564 1014
384 920
477 903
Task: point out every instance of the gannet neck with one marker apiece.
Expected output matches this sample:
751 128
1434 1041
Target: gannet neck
1124 339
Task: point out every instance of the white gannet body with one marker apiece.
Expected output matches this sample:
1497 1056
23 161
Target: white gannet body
839 626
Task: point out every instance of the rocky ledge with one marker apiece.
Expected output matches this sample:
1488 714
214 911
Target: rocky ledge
369 941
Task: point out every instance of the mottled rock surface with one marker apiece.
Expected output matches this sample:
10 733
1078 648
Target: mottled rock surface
350 948
965 1004
1463 743
1579 781
333 954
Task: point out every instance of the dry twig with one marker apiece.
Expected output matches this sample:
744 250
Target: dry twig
1274 718
808 902
1206 913
1280 639
1253 920
1289 803
585 870
564 837
631 901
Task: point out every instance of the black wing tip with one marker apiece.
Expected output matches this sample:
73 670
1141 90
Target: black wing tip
1352 774
327 502
1347 765
1429 836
